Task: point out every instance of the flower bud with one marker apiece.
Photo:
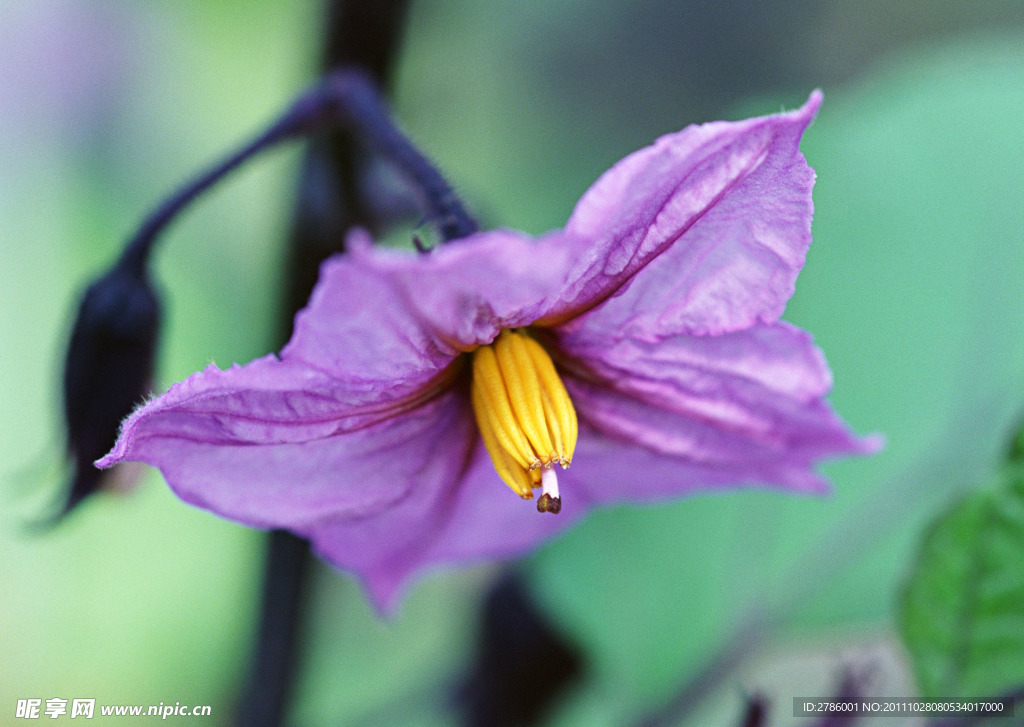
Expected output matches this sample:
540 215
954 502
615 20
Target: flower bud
108 368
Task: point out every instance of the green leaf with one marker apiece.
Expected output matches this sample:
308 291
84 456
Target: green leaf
962 616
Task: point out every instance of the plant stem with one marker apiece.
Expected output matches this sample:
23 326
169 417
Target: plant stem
367 35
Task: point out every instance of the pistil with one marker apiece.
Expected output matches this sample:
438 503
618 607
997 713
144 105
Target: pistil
549 501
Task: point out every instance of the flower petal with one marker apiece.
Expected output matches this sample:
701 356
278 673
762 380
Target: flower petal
467 292
359 330
744 407
703 232
474 518
609 469
275 444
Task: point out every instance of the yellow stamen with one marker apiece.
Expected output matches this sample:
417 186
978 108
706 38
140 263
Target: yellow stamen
505 464
525 416
558 408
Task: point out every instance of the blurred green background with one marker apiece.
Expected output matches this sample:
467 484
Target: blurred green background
913 288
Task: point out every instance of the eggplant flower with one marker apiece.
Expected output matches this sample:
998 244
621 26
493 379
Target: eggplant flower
641 344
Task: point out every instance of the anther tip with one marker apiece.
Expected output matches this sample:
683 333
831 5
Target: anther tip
547 503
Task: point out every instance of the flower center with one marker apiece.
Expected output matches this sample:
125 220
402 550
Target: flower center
524 414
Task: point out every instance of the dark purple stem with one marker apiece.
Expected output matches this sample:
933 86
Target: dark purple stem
347 97
136 252
358 34
272 669
368 114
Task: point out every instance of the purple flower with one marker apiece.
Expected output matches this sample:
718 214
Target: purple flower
642 342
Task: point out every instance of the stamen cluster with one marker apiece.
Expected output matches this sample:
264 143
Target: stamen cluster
524 413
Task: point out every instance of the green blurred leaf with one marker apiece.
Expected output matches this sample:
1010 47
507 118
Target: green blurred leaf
962 615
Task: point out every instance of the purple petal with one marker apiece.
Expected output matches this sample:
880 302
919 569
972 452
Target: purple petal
385 493
703 232
466 292
359 330
744 407
276 444
472 519
609 469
